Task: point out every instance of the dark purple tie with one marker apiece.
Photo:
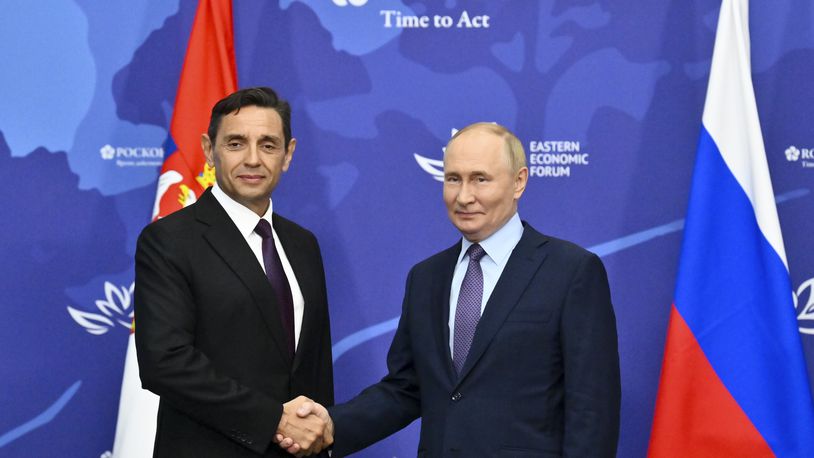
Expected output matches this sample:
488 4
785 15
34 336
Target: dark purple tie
278 280
467 314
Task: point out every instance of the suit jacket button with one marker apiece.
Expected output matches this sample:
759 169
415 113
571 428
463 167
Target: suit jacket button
457 396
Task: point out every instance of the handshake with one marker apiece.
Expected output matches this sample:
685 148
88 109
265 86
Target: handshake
305 428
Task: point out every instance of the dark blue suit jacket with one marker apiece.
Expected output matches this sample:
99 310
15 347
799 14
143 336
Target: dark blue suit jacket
541 378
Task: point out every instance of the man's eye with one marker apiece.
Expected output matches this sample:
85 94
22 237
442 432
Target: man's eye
451 179
233 145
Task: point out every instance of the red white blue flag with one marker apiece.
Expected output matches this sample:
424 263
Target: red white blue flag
733 381
208 75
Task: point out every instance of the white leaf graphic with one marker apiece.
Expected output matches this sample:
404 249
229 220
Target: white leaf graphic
107 308
122 294
92 322
127 323
434 167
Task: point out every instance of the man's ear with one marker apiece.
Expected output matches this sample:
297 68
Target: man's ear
289 153
520 181
208 149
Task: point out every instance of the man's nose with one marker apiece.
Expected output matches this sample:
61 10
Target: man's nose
252 157
465 194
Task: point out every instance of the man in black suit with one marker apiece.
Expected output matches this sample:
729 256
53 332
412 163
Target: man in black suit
507 345
231 302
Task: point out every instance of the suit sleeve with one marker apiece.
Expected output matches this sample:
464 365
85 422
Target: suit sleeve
169 363
591 362
326 377
386 407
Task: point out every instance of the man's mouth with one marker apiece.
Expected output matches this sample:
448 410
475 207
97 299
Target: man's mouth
251 178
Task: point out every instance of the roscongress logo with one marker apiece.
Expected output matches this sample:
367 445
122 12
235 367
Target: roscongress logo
108 152
115 309
802 156
792 153
133 156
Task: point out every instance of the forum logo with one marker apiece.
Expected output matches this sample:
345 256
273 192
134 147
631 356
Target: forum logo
545 159
792 154
804 305
108 152
356 3
116 310
434 167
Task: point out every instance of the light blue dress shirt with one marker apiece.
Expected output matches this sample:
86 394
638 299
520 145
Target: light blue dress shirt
498 248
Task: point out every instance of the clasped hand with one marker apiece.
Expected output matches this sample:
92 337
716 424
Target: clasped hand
305 427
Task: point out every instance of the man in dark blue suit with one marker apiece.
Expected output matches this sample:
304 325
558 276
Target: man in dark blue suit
507 342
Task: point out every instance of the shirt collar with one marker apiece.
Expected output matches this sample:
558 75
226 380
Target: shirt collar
499 245
245 219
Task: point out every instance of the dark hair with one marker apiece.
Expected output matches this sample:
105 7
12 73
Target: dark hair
263 97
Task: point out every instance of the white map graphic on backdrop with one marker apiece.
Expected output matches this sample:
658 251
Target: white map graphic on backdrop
75 50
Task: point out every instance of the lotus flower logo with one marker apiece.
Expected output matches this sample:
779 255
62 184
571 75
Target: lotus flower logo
805 308
792 153
116 307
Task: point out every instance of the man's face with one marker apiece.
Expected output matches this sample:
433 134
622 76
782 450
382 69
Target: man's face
480 189
249 155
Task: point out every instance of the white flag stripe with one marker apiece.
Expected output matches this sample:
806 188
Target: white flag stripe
135 428
730 117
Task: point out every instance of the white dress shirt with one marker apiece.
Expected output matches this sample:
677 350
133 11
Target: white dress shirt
498 248
246 220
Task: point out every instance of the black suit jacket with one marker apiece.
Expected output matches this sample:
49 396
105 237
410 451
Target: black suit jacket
209 337
542 375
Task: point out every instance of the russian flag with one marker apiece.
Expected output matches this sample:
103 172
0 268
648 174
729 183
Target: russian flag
733 381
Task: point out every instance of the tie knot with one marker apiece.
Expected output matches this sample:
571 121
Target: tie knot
476 252
263 228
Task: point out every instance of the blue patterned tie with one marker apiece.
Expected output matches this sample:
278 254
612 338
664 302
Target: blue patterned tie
278 280
467 314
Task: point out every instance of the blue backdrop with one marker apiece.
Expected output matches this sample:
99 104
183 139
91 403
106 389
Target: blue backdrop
606 96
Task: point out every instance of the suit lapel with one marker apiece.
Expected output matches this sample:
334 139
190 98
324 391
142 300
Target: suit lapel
440 296
304 271
230 245
525 260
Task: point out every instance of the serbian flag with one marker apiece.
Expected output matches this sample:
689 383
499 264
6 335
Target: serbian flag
208 75
733 380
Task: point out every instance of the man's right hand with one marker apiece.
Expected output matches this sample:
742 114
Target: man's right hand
307 409
302 431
